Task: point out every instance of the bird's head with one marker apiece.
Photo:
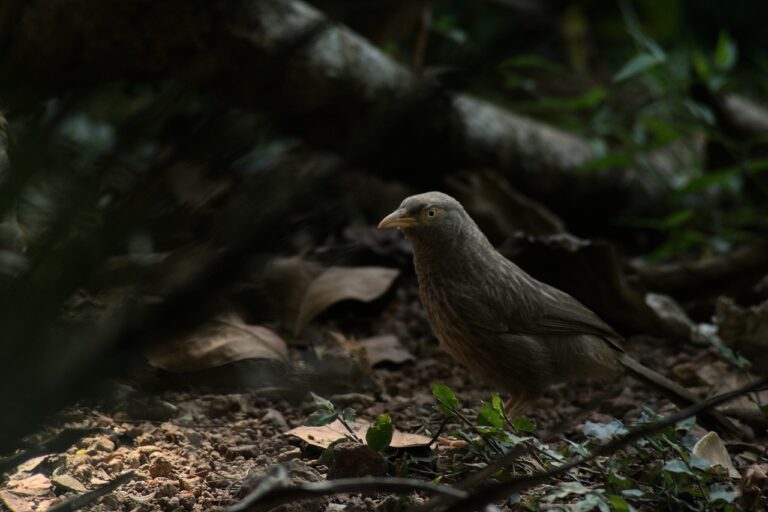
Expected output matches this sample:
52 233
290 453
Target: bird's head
432 215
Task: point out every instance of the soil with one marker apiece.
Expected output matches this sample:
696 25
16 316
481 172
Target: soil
194 451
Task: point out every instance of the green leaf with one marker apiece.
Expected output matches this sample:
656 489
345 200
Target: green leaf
497 404
686 424
445 396
618 504
348 415
523 424
322 402
637 65
489 417
320 418
633 493
701 66
619 481
379 435
591 502
677 466
725 52
564 490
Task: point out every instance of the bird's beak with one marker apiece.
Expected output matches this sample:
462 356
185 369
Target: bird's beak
397 219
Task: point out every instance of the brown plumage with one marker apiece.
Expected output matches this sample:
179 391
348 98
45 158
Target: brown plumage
519 334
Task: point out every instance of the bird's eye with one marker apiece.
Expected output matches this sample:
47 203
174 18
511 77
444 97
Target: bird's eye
431 212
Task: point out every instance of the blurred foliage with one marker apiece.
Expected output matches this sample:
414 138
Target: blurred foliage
638 79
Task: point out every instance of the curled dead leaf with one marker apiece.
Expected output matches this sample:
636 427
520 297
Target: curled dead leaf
324 436
287 280
221 341
386 349
342 283
712 448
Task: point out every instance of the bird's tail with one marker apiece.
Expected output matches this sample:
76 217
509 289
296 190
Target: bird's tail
680 396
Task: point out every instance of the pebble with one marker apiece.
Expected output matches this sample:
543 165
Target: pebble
293 453
160 467
276 418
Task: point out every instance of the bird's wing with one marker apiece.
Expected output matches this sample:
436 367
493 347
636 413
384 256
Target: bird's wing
546 311
565 316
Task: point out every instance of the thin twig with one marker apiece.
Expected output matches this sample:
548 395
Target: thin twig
274 496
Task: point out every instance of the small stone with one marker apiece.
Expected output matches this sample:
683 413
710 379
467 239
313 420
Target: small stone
114 466
160 467
194 439
350 459
132 459
148 449
102 444
293 453
247 451
83 472
67 483
81 459
276 418
110 502
166 490
187 500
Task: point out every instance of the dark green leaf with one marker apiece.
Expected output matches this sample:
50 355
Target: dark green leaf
701 66
348 415
320 418
445 396
322 402
497 404
489 417
523 424
637 65
677 466
379 435
725 52
618 504
685 425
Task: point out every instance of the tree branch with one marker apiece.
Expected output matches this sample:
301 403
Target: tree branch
338 91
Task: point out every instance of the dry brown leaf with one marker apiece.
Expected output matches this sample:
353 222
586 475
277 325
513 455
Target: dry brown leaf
14 502
286 281
324 436
223 340
712 448
342 283
752 485
386 349
744 329
32 463
35 485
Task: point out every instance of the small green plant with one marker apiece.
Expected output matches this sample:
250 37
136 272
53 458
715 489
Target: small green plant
657 472
378 436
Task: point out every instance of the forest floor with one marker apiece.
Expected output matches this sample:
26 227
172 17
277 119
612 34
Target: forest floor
197 450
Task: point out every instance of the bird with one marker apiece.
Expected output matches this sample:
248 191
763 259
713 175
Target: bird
518 333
